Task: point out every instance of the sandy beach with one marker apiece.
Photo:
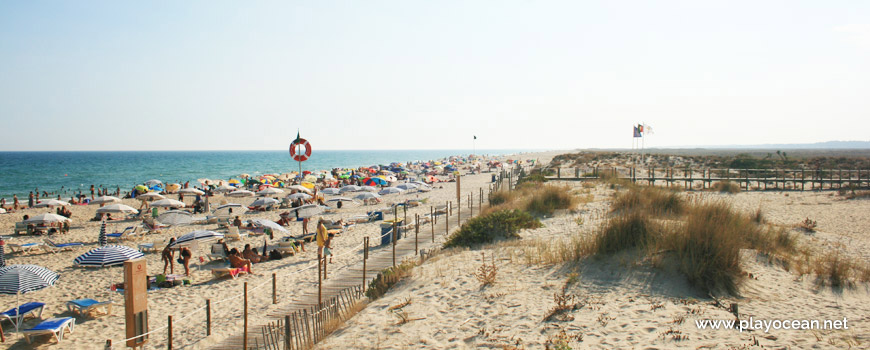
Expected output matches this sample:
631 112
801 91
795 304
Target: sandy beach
618 303
186 303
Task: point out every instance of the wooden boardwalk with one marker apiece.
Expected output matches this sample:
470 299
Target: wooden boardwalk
340 292
748 179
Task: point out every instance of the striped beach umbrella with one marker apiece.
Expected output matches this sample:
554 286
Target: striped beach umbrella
21 279
103 239
108 255
195 237
407 186
367 195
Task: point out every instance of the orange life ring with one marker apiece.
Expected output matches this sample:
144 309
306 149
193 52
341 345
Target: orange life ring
301 157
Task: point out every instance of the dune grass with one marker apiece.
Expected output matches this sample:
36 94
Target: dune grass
492 226
726 187
651 200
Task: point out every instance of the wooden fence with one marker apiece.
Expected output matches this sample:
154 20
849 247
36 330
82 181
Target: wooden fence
703 178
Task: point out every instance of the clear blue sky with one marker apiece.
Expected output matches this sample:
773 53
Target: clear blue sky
179 75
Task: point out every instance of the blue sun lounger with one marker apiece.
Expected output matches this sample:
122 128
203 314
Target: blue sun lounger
84 306
53 326
16 315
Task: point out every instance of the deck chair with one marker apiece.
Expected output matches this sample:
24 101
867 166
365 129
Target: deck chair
151 246
17 315
21 227
23 247
217 252
120 236
52 247
89 306
287 247
53 326
151 226
219 272
233 234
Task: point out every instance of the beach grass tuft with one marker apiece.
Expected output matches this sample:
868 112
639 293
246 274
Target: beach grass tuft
726 187
492 226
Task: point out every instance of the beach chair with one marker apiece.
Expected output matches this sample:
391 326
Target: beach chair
153 246
151 226
89 306
219 272
21 227
286 247
52 247
120 236
53 326
233 234
217 252
17 315
24 247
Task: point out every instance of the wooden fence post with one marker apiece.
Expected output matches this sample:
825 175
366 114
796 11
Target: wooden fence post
416 234
394 236
274 288
169 334
208 317
432 222
287 343
319 278
245 331
365 257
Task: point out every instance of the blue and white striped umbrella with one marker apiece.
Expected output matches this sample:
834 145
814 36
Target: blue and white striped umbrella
108 255
103 239
20 279
2 253
201 236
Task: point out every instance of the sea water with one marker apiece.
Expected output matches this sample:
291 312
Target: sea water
22 172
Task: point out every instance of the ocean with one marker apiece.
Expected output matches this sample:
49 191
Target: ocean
22 172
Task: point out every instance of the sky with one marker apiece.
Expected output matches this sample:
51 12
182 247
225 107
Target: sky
405 74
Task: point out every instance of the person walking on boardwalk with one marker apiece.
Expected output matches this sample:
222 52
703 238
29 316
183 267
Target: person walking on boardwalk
320 235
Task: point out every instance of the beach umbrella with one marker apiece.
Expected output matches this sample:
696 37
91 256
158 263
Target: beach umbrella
21 279
262 202
241 193
47 219
374 181
150 196
339 199
390 190
270 191
407 186
270 224
175 217
310 178
234 207
368 189
367 195
330 191
103 240
117 208
152 183
349 188
299 188
195 237
225 188
307 185
50 203
299 195
309 210
105 200
191 190
168 203
107 255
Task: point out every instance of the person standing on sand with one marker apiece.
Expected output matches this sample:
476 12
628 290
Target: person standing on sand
30 200
15 204
185 260
92 191
320 235
167 256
